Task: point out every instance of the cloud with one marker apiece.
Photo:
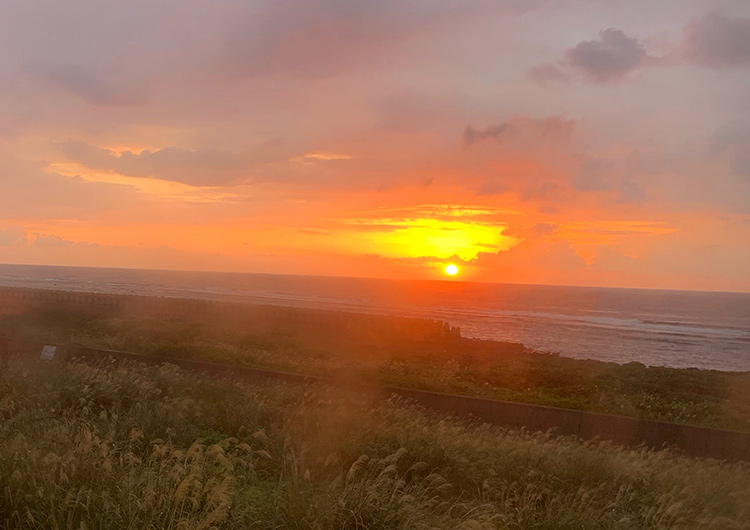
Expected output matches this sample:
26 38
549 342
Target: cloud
330 37
717 41
12 236
313 39
321 156
89 83
28 192
472 135
491 187
520 130
544 229
611 57
711 264
412 111
731 135
544 259
547 74
537 230
732 141
201 167
538 190
711 40
593 176
51 240
597 175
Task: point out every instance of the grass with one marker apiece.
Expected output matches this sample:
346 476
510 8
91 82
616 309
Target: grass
130 446
478 368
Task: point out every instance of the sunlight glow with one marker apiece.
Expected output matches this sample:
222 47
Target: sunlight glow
420 238
451 270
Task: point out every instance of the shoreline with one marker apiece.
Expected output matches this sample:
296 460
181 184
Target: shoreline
656 329
285 315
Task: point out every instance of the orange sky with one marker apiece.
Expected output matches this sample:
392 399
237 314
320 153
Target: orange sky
538 142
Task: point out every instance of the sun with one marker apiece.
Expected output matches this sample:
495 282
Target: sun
451 270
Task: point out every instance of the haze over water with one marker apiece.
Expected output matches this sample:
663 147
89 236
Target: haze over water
667 328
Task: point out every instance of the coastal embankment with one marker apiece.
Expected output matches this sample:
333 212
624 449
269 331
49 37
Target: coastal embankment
504 383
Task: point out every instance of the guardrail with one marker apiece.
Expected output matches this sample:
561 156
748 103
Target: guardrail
623 430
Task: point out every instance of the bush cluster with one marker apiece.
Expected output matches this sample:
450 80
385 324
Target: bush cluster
123 445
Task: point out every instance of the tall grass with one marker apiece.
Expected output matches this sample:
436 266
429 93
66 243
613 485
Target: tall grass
483 369
129 446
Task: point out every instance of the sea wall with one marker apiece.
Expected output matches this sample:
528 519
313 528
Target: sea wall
621 430
262 318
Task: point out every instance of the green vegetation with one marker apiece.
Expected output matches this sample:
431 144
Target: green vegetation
131 446
478 368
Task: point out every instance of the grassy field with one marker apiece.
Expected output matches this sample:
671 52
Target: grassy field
477 368
131 446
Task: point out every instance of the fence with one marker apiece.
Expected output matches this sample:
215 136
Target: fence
268 318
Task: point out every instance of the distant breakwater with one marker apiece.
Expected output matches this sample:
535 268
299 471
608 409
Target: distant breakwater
259 318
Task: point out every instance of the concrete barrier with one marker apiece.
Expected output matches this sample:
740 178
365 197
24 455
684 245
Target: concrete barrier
505 413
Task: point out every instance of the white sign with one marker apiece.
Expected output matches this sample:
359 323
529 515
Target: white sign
48 352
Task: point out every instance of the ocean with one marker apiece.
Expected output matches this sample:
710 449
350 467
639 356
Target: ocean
680 329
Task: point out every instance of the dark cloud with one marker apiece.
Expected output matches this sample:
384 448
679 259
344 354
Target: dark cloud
107 54
712 40
472 135
520 130
609 58
717 41
544 229
201 167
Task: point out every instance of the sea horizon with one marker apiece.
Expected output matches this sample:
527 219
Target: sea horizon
658 327
396 279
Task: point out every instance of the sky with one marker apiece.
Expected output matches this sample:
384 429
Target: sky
576 142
